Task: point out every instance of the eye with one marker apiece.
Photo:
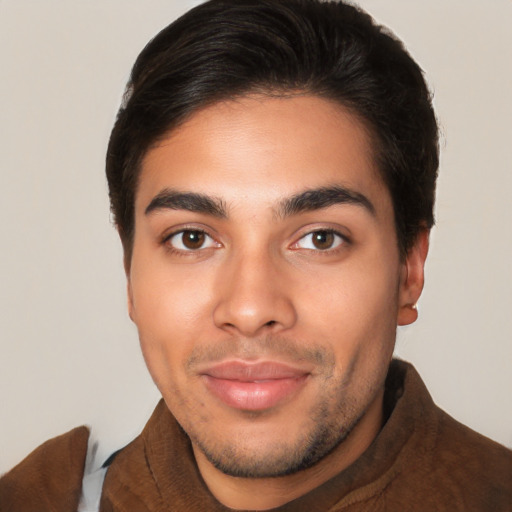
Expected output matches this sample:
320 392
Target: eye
321 240
190 240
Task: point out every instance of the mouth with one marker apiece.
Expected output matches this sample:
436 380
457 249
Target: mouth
254 386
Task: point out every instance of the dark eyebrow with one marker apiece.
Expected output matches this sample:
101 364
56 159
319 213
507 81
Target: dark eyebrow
190 201
316 199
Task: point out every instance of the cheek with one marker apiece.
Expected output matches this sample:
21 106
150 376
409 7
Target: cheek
171 312
168 297
354 309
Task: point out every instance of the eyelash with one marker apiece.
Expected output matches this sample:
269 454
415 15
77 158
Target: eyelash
343 241
166 241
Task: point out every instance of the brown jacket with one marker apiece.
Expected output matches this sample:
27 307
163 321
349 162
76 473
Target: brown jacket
422 460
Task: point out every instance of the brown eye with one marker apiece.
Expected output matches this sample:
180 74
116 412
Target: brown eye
191 240
321 240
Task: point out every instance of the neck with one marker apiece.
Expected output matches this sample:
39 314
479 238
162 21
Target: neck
267 493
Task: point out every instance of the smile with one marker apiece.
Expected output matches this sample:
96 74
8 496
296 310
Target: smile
253 387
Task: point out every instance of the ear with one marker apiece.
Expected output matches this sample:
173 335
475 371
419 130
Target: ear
129 298
129 292
412 279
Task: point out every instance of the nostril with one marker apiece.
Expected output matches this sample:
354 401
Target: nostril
270 323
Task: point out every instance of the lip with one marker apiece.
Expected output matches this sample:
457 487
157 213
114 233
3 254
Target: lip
253 386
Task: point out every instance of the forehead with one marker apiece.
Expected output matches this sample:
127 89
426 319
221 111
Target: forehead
260 149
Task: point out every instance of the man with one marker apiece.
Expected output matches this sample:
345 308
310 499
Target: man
272 174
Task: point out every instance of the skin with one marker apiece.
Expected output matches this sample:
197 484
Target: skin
258 286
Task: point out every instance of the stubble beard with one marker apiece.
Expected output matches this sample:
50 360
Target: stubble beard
326 427
324 432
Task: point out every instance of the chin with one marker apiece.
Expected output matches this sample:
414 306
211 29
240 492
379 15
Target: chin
247 454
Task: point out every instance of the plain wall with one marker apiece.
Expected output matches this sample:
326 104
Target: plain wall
68 352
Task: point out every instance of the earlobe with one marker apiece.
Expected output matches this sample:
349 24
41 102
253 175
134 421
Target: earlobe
129 297
407 314
413 278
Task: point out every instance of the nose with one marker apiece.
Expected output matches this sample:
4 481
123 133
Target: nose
254 297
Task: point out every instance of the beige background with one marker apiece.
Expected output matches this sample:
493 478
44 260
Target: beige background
68 353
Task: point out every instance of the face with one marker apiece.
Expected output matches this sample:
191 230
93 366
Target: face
265 280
